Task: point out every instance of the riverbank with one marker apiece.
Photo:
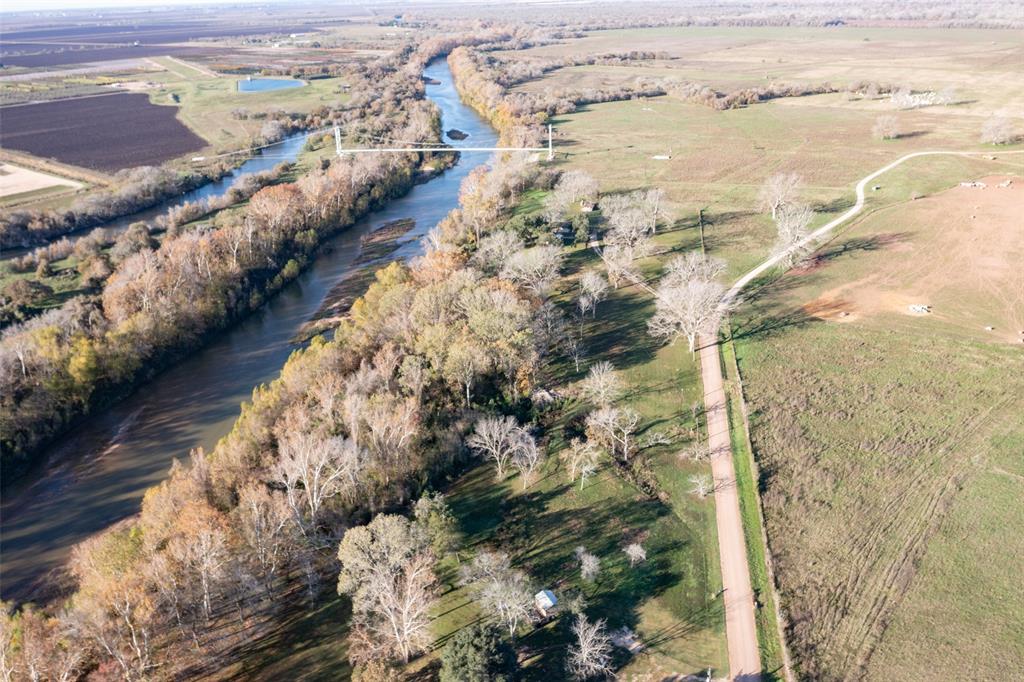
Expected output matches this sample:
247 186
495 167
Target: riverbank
375 247
102 468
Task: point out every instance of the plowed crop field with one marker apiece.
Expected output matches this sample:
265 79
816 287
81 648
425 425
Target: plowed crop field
107 133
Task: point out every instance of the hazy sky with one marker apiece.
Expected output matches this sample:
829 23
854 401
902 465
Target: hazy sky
98 5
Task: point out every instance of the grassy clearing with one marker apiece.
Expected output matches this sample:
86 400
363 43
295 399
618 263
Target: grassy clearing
720 160
64 279
838 451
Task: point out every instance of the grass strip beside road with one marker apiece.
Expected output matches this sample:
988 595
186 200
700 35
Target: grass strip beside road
769 635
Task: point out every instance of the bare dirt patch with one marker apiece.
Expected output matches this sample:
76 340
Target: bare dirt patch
16 180
958 251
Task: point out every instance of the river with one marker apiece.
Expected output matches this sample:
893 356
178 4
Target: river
286 150
96 474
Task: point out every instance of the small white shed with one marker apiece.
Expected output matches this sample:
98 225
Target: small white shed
545 601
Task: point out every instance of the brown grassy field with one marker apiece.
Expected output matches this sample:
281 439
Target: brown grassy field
890 443
983 65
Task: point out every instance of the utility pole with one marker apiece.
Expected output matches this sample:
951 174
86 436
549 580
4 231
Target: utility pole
337 140
551 149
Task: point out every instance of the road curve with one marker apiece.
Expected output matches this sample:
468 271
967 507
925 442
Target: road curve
743 281
737 593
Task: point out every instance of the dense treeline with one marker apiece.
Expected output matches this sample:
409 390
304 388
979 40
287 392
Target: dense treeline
517 114
241 189
160 302
509 71
353 426
136 190
486 79
618 15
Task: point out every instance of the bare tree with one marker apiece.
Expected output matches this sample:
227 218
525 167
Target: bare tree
264 521
593 290
501 590
581 460
998 129
575 349
590 565
574 187
527 457
633 217
590 655
602 386
387 569
494 249
497 439
615 428
618 263
314 469
535 269
688 310
886 128
697 452
636 553
201 550
702 485
793 224
693 265
779 190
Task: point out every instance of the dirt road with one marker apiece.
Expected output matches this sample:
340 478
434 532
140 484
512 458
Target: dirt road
740 627
740 630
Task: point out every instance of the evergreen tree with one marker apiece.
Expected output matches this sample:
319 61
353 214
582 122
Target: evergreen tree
479 653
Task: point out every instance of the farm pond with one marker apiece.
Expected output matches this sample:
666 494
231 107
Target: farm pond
267 84
102 468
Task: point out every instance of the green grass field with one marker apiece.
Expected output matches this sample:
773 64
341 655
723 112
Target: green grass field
206 103
720 160
841 600
890 444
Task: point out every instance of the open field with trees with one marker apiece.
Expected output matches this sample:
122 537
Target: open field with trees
497 461
719 162
978 64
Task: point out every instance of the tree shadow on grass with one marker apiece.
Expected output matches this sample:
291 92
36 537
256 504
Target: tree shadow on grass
619 333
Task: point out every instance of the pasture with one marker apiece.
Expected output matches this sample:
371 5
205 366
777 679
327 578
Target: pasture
205 104
720 159
903 423
108 132
908 424
981 64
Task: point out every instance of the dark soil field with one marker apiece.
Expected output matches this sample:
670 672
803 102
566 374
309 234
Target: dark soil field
33 55
156 33
52 46
108 132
